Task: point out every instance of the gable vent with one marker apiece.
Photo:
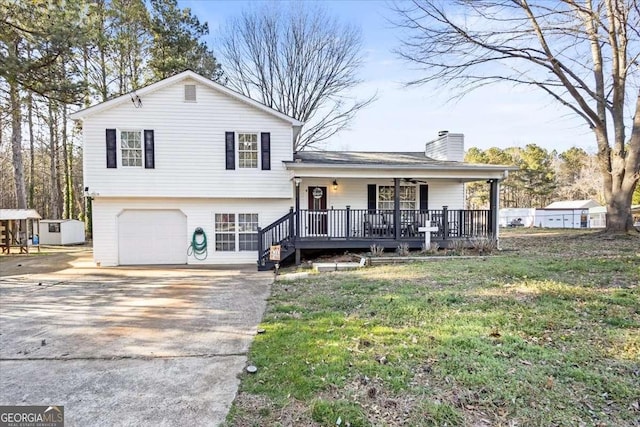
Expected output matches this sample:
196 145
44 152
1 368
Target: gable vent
190 93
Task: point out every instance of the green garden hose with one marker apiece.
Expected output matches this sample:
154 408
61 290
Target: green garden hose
198 246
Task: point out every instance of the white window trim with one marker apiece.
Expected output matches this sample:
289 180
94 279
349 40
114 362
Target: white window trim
119 147
415 200
236 232
184 93
237 149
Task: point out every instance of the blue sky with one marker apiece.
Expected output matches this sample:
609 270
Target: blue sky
403 119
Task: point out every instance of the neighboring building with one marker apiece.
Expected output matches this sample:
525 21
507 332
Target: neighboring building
515 217
190 157
598 217
19 228
565 214
61 232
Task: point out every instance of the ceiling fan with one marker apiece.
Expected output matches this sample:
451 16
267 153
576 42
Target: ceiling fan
414 181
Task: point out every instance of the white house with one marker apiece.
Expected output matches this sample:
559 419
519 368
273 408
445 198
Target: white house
187 158
565 214
61 232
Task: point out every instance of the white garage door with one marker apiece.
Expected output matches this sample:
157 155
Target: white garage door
152 237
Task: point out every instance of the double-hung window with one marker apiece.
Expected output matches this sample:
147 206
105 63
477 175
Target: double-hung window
248 232
226 232
131 148
236 231
386 197
247 150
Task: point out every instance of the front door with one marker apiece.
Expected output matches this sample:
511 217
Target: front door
317 210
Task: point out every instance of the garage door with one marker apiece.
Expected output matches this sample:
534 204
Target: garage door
152 237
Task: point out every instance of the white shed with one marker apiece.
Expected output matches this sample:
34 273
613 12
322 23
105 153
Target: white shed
565 214
61 232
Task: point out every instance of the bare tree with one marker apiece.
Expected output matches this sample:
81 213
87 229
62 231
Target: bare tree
583 54
299 61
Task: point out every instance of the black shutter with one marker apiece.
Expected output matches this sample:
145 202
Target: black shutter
265 150
149 150
230 149
371 197
112 153
424 197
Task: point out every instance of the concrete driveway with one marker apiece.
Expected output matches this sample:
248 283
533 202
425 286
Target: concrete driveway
125 346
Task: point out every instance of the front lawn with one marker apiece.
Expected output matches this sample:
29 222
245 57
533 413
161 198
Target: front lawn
546 333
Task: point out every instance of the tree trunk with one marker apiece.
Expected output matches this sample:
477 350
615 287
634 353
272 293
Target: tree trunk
621 182
54 188
32 153
16 144
67 152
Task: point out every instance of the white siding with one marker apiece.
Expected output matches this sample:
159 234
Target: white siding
560 218
449 147
199 213
189 148
71 232
353 192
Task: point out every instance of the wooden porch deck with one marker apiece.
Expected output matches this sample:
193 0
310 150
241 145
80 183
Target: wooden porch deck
360 228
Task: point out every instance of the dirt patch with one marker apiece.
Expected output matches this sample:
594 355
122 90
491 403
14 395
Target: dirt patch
49 260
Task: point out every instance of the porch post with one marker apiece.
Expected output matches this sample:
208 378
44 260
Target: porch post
297 215
494 193
396 208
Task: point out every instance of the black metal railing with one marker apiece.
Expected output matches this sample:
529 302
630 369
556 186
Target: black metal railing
280 232
380 223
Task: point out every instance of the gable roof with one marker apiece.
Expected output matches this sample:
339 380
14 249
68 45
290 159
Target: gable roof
573 204
188 74
384 159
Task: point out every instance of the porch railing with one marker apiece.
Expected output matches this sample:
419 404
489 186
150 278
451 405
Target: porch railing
380 223
281 232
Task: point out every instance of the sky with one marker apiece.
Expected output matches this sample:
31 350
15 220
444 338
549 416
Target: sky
404 119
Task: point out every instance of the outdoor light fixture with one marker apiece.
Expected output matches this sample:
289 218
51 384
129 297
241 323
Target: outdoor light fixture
335 185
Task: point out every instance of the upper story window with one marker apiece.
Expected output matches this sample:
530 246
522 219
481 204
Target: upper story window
131 148
247 150
189 93
386 195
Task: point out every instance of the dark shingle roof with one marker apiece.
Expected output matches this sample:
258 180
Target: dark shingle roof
367 158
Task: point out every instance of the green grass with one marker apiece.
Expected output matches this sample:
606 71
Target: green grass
547 334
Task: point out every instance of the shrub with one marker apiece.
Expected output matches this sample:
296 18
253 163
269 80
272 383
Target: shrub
403 249
484 245
431 250
376 250
459 247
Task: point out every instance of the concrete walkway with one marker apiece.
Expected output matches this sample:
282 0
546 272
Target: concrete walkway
126 346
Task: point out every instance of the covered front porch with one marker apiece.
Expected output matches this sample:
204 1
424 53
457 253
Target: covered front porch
319 220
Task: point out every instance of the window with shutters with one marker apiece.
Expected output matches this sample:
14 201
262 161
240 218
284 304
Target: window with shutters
131 148
247 150
386 195
236 231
